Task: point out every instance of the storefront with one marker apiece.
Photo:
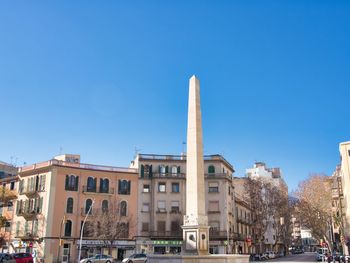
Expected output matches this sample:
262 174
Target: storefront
119 249
159 246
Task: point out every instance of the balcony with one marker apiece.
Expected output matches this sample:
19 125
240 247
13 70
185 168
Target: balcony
93 212
29 192
243 220
90 190
165 234
28 214
218 176
28 236
217 234
169 175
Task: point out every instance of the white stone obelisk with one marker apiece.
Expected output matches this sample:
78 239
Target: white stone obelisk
195 228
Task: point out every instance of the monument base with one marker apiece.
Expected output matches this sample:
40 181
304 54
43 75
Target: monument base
217 258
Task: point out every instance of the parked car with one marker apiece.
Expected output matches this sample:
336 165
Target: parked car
6 258
99 258
135 258
320 257
23 257
271 254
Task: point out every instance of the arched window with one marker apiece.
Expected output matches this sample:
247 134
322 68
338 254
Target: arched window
88 204
71 182
104 185
123 208
68 228
124 187
211 169
104 206
91 184
69 209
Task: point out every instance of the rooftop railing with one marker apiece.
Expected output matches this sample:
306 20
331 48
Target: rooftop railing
77 165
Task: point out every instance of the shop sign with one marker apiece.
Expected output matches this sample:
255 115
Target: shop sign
102 243
167 242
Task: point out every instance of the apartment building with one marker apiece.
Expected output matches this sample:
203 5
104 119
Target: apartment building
338 215
54 198
162 203
8 179
245 241
344 149
274 223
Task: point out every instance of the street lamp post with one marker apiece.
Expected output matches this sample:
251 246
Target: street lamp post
60 236
82 229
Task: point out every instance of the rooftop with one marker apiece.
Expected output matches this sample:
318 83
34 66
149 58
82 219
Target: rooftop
182 157
85 166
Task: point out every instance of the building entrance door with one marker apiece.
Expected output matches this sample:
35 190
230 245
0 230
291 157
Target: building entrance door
66 253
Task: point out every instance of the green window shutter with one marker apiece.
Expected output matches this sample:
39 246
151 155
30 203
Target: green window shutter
17 207
129 186
178 170
119 186
150 171
101 185
142 171
41 204
67 182
95 183
76 183
166 169
159 169
43 182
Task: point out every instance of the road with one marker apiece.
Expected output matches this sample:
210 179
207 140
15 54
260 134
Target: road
301 258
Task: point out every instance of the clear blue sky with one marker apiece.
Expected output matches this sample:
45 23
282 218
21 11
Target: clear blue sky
100 78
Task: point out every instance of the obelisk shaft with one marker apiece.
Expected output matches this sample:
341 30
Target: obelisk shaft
195 228
194 166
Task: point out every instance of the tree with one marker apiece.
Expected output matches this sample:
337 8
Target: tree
110 224
6 194
315 205
269 205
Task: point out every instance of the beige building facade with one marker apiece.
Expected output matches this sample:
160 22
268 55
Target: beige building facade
161 203
54 197
344 149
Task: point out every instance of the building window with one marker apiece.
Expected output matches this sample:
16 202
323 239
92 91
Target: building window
12 185
174 170
88 204
18 225
145 188
42 182
161 206
145 207
104 206
104 185
69 209
214 206
175 187
161 187
91 184
211 169
175 227
163 170
71 183
145 227
214 226
9 206
175 206
161 226
213 187
123 208
124 187
68 229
